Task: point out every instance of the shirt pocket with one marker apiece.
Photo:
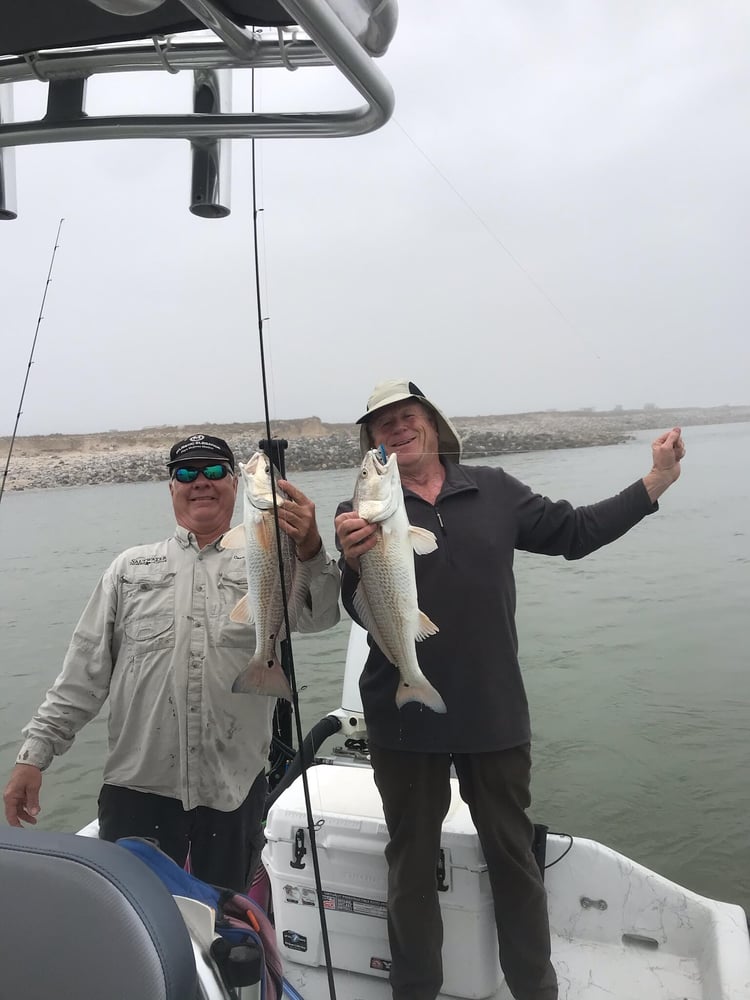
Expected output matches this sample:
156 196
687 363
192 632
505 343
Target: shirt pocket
232 588
149 612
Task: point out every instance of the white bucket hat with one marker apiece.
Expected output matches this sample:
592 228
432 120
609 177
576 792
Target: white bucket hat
394 391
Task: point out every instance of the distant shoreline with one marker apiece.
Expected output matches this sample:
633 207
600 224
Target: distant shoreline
54 460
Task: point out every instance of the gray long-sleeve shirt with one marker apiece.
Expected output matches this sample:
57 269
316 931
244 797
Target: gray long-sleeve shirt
156 637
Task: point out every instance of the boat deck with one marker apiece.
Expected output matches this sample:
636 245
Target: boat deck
585 971
590 971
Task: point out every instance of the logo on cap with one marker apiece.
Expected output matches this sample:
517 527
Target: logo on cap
197 437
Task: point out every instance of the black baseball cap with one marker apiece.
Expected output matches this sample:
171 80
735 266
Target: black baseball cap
199 446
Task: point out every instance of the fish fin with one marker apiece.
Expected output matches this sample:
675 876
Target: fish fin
424 693
263 677
362 607
242 612
265 533
234 538
422 541
425 627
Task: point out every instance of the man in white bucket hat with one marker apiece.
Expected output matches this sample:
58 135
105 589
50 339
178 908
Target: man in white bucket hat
398 390
479 516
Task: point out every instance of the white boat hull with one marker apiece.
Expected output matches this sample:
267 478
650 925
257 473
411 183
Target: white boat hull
619 931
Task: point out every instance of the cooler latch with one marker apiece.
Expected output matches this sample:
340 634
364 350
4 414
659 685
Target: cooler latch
443 871
299 849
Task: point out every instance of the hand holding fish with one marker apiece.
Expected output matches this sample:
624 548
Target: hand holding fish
297 519
356 536
667 451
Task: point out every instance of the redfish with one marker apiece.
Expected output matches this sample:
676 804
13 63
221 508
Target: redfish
263 604
386 596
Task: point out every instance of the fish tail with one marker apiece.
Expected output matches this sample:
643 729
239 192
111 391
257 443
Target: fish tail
422 692
264 677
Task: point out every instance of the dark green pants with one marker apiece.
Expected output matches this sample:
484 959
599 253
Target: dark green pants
415 791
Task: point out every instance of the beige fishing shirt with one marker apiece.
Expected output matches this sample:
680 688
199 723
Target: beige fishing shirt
156 637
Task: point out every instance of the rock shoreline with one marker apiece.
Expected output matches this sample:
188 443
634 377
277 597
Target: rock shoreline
67 460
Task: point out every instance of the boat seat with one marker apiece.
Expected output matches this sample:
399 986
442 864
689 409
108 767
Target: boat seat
131 940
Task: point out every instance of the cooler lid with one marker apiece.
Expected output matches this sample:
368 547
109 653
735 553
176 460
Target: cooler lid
349 792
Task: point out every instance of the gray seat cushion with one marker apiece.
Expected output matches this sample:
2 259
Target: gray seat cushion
84 918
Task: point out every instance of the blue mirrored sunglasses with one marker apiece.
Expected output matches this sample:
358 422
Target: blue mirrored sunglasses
187 475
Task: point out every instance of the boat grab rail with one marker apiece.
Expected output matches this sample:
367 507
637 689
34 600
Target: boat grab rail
331 42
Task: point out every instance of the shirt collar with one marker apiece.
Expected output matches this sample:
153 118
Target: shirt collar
187 539
457 480
184 537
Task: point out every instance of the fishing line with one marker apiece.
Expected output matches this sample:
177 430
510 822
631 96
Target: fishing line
493 235
260 234
292 676
31 359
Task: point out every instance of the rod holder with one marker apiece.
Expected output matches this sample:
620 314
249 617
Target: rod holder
66 100
211 174
8 207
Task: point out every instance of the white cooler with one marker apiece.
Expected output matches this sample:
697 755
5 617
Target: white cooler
351 836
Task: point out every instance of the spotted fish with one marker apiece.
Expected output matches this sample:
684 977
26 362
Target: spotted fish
263 604
386 596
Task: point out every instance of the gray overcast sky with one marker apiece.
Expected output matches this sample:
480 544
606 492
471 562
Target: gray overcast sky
556 216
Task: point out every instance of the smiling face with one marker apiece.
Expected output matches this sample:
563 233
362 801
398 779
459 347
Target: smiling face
204 506
408 429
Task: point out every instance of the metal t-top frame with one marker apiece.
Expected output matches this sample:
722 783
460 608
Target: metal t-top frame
341 33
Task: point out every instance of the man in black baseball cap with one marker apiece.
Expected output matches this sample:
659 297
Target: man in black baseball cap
200 446
186 755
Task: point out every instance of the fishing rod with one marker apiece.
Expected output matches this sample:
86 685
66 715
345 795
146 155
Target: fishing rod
31 359
303 746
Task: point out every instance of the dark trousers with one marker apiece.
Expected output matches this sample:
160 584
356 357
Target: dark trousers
415 790
224 847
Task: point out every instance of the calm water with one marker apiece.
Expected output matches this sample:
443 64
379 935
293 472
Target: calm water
635 659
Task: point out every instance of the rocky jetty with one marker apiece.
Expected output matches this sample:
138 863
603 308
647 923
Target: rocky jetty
57 460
